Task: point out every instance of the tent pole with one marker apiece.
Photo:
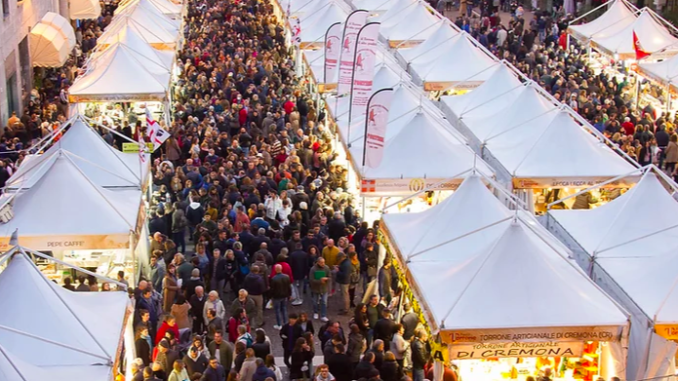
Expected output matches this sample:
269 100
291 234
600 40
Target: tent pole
16 369
51 287
18 332
96 188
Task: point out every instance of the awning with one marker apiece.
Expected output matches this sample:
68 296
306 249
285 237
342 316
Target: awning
48 46
60 23
84 9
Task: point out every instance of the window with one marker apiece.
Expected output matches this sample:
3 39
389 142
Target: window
5 8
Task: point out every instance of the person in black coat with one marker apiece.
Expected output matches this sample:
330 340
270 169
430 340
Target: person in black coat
290 334
142 344
378 351
197 302
385 328
336 227
301 355
340 364
195 361
390 370
365 368
215 372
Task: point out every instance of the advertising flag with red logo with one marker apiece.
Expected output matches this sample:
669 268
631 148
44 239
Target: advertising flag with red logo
354 22
156 134
363 72
296 32
332 51
640 53
375 127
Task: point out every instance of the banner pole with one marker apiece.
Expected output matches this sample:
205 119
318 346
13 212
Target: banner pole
350 99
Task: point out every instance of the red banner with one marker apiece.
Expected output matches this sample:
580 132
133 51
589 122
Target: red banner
363 72
375 127
354 22
332 51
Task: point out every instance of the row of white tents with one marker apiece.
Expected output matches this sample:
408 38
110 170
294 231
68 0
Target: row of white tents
134 57
473 245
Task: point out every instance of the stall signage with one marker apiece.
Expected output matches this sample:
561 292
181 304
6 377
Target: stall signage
667 331
134 147
517 349
75 242
541 183
532 335
406 186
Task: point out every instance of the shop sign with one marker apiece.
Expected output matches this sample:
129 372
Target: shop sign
130 147
517 349
610 333
78 242
406 186
441 86
667 331
542 183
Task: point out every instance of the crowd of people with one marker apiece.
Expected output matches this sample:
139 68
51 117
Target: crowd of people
249 213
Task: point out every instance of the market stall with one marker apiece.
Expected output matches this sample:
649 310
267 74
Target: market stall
442 32
540 148
103 164
56 334
637 242
90 227
419 19
460 62
314 26
166 7
618 15
376 7
501 294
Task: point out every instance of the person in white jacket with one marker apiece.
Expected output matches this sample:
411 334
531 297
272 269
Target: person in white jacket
399 346
272 204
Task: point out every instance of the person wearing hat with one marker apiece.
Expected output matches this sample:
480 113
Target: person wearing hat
166 356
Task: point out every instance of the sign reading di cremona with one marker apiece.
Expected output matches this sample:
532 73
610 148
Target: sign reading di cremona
546 349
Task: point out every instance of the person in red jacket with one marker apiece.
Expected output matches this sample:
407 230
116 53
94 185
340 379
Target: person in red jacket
169 324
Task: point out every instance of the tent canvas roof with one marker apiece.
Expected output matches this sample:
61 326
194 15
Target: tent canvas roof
314 27
58 315
440 35
555 146
81 203
147 13
495 94
653 37
665 71
418 19
154 60
448 67
166 7
616 18
441 153
374 5
152 33
119 74
486 279
103 164
634 242
395 13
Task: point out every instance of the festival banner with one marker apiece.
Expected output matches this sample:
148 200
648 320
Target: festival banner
354 22
640 52
363 71
157 134
375 127
532 335
405 187
296 32
332 51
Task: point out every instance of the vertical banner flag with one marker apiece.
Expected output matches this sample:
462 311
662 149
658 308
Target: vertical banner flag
332 50
363 72
157 134
640 52
375 127
354 22
296 32
142 148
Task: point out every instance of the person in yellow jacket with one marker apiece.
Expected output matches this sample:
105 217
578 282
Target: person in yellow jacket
330 253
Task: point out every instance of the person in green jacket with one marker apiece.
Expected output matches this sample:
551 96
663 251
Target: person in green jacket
319 277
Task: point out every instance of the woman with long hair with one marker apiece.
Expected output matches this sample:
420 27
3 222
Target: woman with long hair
301 355
170 287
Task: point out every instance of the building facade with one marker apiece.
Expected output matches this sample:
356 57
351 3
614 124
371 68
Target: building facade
16 20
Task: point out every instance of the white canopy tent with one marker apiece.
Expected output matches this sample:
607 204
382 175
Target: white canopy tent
376 7
478 269
618 16
419 21
122 75
103 164
442 33
420 146
84 9
664 72
395 11
59 335
314 27
632 258
654 34
147 12
537 143
458 62
495 94
155 60
166 7
61 24
86 217
153 34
